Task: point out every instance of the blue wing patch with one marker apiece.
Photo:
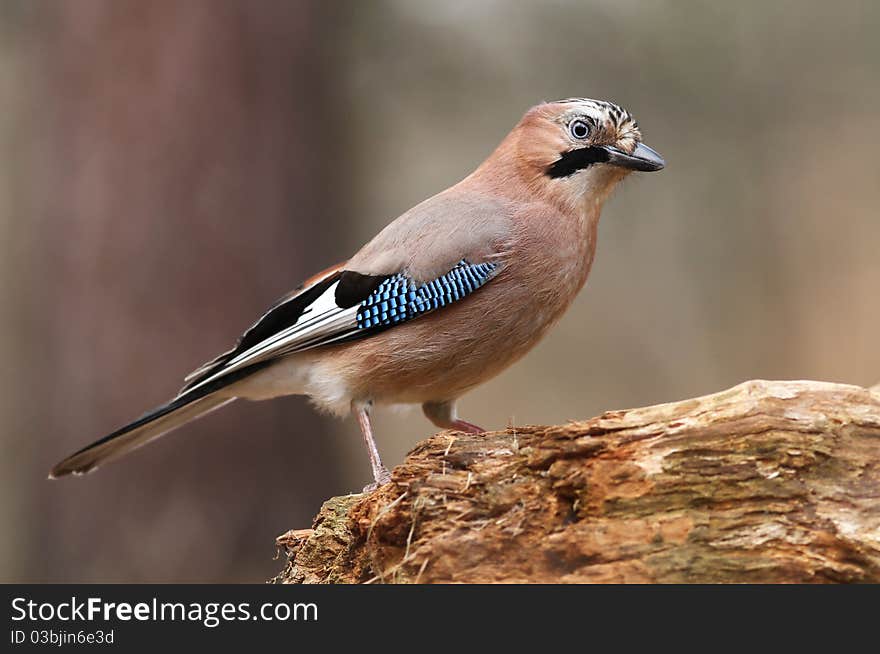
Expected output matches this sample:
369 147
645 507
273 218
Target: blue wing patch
398 299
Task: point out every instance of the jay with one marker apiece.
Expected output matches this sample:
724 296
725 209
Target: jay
442 299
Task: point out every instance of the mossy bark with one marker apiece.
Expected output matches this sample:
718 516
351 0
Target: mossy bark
765 482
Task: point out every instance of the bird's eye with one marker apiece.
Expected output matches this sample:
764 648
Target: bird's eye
579 129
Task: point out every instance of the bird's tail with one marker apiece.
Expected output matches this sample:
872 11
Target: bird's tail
153 424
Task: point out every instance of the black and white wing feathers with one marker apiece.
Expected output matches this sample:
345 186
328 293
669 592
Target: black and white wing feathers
342 306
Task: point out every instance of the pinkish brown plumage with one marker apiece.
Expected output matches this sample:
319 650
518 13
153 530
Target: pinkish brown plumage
444 298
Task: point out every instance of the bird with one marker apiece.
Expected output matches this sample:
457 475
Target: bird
444 298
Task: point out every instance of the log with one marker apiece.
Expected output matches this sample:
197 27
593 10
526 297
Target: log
769 481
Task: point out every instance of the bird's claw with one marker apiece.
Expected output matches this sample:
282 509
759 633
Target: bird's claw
380 479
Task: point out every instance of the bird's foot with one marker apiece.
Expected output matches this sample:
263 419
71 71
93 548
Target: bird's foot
467 427
380 478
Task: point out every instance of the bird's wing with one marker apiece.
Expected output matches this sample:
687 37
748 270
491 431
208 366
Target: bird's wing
339 306
286 308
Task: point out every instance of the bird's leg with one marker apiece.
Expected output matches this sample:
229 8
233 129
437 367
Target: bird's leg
380 472
443 414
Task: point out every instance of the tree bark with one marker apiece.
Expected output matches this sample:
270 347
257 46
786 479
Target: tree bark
765 482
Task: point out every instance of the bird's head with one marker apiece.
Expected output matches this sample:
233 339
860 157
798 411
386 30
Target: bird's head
581 147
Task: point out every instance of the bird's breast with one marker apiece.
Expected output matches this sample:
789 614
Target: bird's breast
552 252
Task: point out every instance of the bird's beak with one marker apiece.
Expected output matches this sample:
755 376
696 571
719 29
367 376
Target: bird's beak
643 158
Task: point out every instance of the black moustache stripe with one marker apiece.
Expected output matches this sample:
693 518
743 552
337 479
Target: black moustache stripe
574 160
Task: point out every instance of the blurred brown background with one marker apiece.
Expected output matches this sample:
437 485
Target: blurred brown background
167 169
